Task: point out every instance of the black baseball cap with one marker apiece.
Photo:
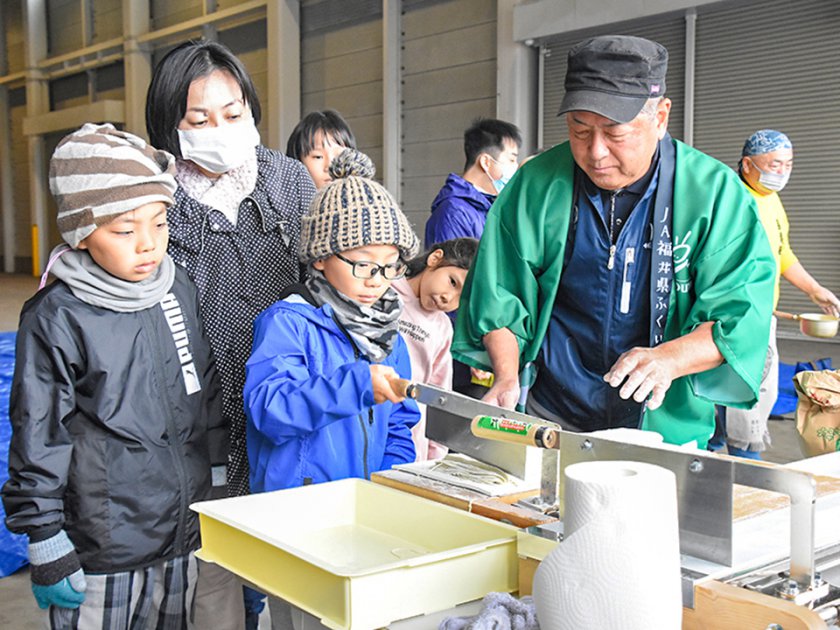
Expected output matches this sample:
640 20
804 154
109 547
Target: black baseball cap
614 75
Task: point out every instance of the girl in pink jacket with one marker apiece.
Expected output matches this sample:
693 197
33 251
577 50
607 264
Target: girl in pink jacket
431 289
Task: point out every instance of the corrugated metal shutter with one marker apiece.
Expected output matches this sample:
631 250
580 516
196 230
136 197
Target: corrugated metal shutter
668 30
449 79
774 65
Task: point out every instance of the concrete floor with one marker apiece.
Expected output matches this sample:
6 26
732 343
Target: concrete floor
17 606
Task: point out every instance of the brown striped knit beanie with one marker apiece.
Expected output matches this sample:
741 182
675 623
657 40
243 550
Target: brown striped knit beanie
98 173
354 211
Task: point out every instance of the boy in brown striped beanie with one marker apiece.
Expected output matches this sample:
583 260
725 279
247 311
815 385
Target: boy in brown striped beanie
99 173
116 420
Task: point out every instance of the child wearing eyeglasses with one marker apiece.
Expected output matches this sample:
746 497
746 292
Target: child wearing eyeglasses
431 289
318 386
318 391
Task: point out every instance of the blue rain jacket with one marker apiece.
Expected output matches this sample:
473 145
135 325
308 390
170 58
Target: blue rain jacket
459 210
309 402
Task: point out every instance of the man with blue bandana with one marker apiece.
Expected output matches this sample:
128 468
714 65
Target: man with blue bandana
628 267
765 166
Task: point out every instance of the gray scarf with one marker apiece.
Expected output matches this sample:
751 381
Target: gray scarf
92 284
373 329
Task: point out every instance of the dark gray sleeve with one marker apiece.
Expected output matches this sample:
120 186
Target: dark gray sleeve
42 399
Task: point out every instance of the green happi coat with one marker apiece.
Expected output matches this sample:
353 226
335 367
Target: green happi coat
724 273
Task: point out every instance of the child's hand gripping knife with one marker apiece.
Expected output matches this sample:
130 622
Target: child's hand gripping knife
57 576
387 384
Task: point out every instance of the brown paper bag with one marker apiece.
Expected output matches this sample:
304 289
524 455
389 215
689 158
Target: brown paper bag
818 411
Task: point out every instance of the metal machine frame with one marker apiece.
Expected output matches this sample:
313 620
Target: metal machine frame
704 481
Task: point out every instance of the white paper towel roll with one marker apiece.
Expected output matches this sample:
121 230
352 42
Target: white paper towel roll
619 563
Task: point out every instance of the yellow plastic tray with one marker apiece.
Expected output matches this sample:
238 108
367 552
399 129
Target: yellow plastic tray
357 554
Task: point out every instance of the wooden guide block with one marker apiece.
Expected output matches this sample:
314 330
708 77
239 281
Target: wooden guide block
719 606
748 502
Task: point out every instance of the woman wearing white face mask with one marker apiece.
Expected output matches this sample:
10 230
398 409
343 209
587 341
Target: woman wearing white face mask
234 227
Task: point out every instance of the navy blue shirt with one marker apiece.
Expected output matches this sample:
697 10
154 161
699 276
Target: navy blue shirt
602 307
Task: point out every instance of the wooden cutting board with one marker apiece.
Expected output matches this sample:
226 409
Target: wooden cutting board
746 502
498 508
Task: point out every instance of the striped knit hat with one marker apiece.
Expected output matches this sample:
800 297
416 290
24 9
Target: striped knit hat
98 173
354 211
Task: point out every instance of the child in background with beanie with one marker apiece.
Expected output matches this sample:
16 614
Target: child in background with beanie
116 418
432 288
317 140
318 392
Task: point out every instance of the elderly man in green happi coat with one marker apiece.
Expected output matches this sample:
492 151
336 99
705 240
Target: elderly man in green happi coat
628 270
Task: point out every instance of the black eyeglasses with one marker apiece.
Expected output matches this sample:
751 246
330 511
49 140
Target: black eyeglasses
365 269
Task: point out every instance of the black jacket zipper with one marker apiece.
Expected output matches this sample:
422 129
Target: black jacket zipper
356 355
175 446
362 424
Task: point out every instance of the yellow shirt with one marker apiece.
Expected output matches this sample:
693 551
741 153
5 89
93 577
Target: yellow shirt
774 219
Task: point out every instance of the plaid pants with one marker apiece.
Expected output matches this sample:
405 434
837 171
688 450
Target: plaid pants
159 597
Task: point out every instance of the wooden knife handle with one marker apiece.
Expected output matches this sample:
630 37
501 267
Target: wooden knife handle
516 431
403 387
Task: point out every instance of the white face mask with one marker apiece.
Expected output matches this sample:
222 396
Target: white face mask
772 181
220 149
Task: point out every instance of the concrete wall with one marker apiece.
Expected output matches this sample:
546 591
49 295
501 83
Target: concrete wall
20 182
171 12
449 79
341 68
13 30
544 18
248 42
68 31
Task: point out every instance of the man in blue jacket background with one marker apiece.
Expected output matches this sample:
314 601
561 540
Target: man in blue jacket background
460 209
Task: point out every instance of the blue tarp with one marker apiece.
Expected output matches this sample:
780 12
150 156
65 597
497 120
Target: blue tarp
12 547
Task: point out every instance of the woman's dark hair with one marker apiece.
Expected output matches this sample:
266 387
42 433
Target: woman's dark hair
166 100
329 122
457 252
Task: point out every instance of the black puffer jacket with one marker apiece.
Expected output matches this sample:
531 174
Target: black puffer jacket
107 441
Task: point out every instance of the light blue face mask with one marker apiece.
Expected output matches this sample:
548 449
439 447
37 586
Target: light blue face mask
507 173
499 184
